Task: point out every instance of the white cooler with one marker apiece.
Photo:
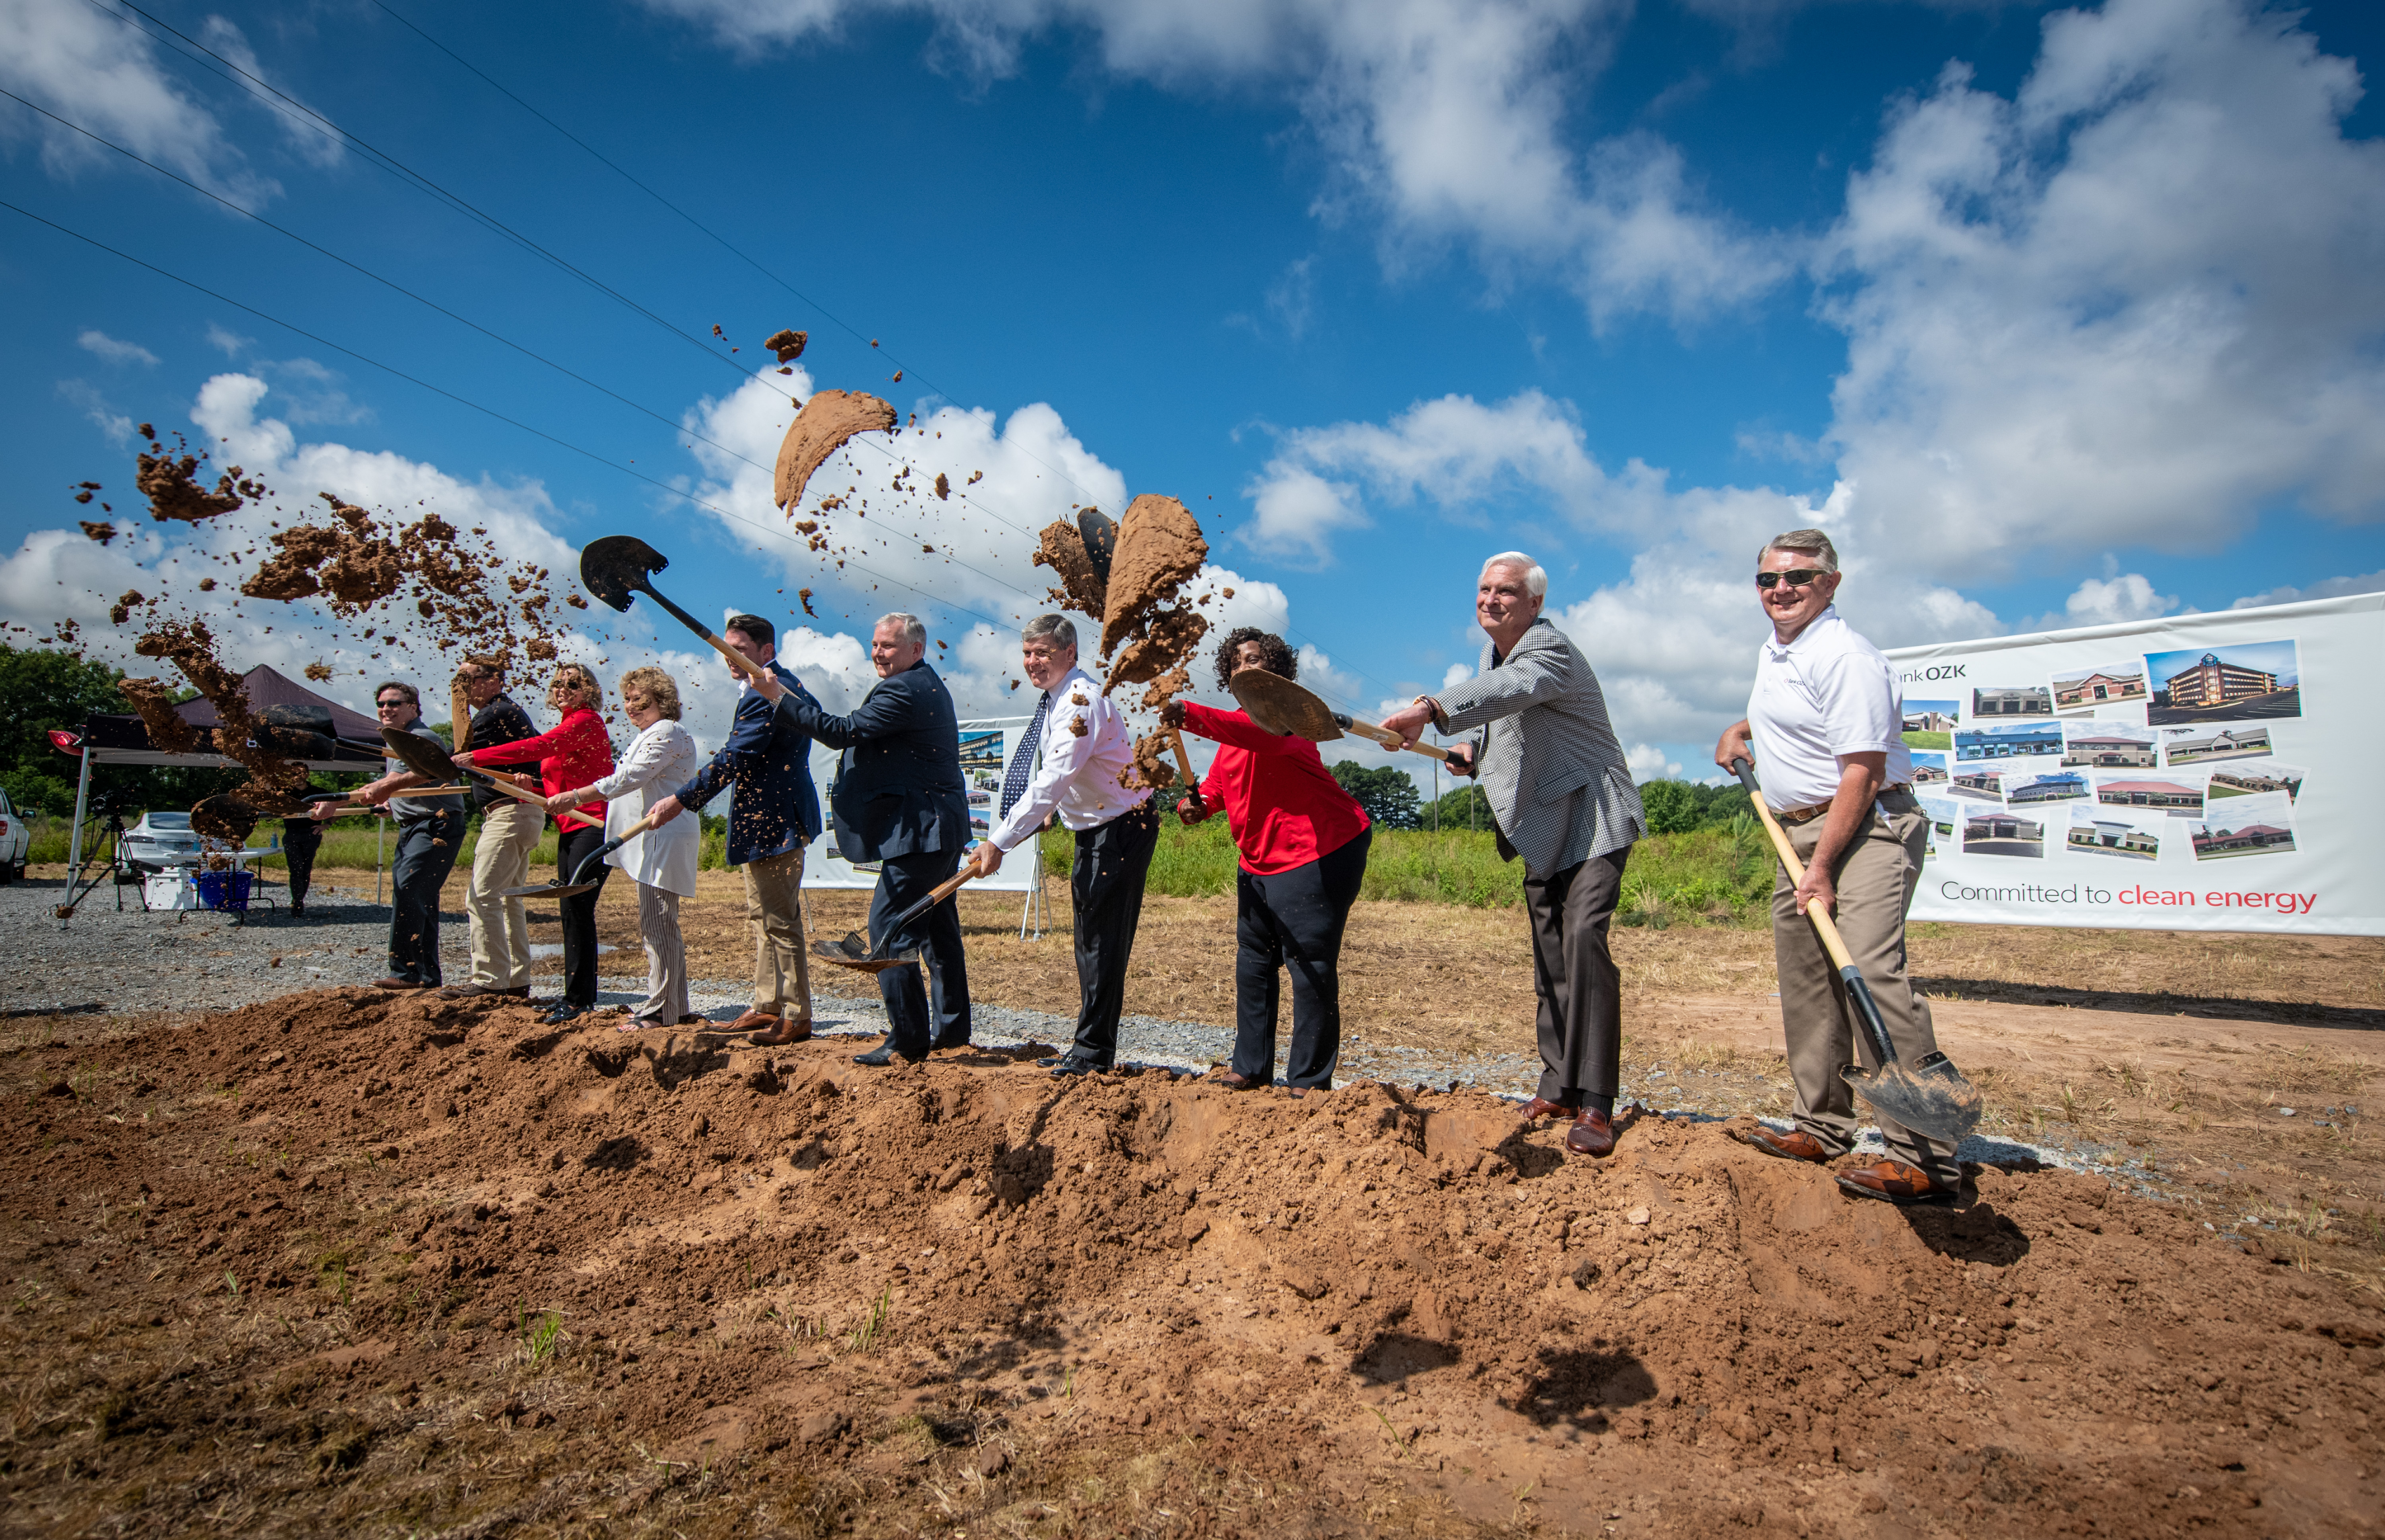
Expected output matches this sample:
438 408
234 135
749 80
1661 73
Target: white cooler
172 888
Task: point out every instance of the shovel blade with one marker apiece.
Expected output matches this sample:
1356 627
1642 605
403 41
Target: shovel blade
1099 532
224 817
851 953
1930 1096
420 755
1280 706
617 565
548 890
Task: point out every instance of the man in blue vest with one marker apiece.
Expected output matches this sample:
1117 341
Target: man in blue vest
773 813
899 800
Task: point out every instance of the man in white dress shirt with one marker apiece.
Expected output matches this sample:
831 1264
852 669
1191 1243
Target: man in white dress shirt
1825 721
1076 748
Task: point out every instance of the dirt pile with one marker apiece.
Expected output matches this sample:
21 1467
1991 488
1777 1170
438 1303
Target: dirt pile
819 430
170 480
1062 548
1159 550
348 1249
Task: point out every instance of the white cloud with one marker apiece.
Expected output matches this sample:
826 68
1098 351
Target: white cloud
230 344
2110 601
114 350
1649 764
1444 117
92 67
2326 588
115 423
306 135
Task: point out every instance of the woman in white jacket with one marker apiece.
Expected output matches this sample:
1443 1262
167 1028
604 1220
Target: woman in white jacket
662 862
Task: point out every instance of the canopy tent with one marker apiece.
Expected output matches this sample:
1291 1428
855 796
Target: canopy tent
124 740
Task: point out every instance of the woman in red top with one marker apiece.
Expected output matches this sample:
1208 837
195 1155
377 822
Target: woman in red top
1303 853
579 750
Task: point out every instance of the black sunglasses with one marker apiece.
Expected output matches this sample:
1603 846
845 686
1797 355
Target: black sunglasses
1796 577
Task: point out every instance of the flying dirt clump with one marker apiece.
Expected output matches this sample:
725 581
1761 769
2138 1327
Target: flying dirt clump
170 483
819 430
275 781
93 531
1063 550
1159 550
788 344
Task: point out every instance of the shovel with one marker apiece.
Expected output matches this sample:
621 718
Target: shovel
579 884
426 759
1281 706
854 952
1099 531
1932 1098
617 565
224 816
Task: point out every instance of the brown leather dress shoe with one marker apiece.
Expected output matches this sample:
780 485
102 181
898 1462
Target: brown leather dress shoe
1591 1133
483 991
782 1033
1236 1082
1541 1107
753 1021
1894 1182
1796 1145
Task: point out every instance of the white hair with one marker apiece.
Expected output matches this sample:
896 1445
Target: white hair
1536 577
915 631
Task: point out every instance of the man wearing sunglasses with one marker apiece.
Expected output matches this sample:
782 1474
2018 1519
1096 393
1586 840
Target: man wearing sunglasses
1825 724
429 830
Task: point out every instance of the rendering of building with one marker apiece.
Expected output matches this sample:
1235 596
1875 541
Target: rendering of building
1928 775
2212 683
2071 694
1927 722
2115 754
2161 794
2031 700
2114 838
1987 782
2235 743
2249 781
1984 743
2001 825
2049 788
2252 837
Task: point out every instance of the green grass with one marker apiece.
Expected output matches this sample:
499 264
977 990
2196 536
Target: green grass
1712 877
1930 740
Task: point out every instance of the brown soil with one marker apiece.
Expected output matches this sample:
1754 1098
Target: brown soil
788 344
819 430
154 702
1159 548
347 1254
171 482
274 779
1063 550
1160 654
103 533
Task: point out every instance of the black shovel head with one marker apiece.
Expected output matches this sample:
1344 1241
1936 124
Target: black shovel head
1099 531
617 565
420 755
224 817
851 953
1930 1096
297 743
311 719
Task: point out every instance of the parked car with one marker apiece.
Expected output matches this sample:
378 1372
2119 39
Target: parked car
15 840
161 840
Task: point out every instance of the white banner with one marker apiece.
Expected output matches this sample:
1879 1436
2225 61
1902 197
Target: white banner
2190 774
986 748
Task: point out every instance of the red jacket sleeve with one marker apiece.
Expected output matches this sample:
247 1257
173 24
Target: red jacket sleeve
529 750
1234 727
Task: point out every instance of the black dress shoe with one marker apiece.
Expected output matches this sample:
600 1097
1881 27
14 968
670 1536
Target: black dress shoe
881 1056
1071 1064
563 1013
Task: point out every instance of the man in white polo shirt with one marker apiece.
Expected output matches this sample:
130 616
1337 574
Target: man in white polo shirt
1076 747
1826 720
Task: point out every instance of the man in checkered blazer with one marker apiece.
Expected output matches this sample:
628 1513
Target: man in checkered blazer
1561 794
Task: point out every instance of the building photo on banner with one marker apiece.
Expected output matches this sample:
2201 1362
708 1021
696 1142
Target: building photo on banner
2194 773
985 752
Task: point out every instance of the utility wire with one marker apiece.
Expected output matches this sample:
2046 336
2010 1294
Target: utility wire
486 411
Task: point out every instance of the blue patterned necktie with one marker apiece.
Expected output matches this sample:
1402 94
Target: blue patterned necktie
1022 764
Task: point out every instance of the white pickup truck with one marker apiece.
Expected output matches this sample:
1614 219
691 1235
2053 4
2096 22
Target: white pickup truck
16 838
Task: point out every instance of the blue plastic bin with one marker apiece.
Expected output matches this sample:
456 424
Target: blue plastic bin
224 890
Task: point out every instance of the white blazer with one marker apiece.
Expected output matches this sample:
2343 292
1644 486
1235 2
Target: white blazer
660 761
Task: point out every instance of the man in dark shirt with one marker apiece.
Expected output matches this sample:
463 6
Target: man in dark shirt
301 838
510 831
428 834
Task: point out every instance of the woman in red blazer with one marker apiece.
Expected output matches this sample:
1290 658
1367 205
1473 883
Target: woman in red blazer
1303 841
577 752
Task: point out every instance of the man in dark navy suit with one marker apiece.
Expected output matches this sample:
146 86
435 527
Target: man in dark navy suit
899 800
773 813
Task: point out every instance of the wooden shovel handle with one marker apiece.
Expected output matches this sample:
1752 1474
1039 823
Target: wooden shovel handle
1389 738
1184 763
1816 910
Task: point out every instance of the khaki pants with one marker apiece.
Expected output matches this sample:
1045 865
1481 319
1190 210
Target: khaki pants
774 911
666 955
1875 881
509 830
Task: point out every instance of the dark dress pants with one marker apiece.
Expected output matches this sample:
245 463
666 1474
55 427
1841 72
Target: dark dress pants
580 916
1294 920
904 880
1106 884
1581 992
426 853
301 838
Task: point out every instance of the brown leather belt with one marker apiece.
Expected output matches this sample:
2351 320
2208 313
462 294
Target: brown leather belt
1789 817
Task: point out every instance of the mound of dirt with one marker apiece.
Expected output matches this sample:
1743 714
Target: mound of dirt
1159 548
1063 550
819 430
347 1250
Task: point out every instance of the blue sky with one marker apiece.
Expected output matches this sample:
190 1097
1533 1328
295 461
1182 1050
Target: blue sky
2052 316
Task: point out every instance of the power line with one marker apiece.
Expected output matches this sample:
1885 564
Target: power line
486 411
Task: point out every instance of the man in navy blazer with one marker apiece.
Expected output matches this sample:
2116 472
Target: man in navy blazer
773 813
899 800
